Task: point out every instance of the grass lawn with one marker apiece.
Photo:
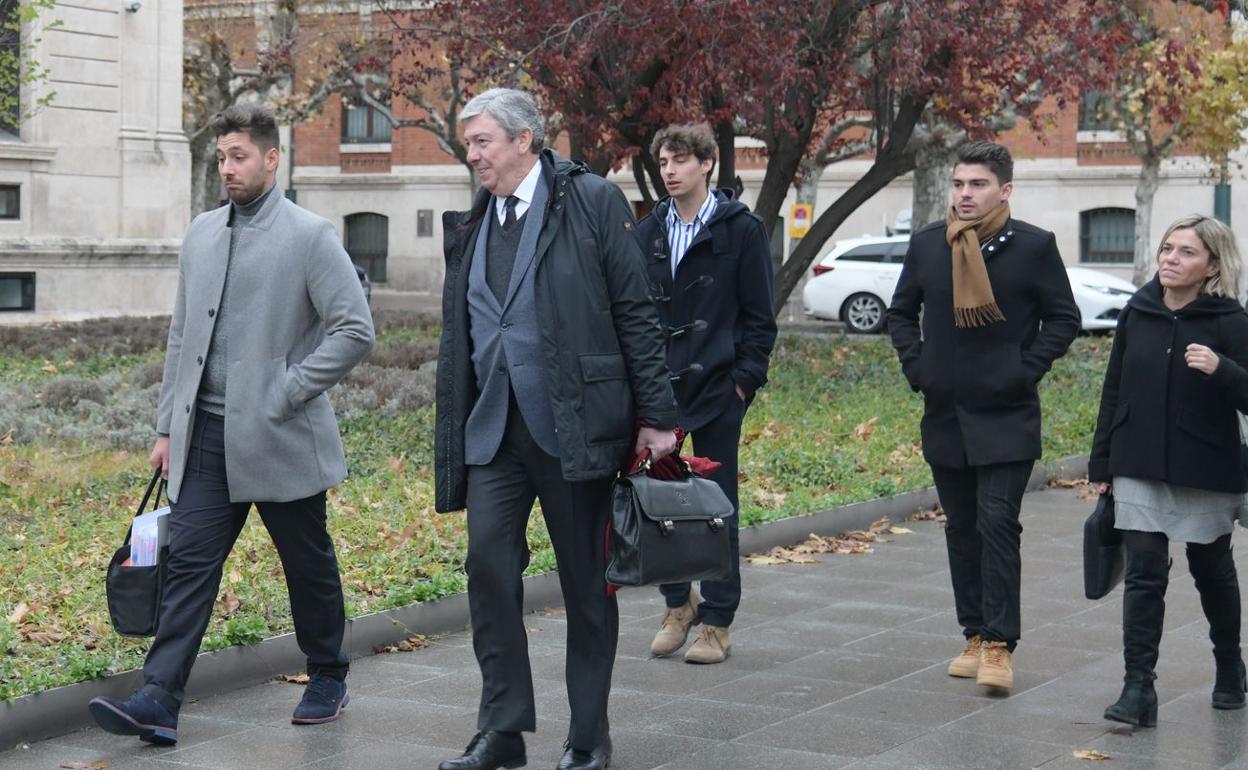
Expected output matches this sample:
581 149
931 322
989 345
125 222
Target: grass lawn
836 425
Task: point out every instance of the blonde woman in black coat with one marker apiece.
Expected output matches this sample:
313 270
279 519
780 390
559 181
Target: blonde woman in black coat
1167 444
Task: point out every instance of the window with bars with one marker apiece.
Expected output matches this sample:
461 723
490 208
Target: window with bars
364 124
367 241
1107 235
1094 112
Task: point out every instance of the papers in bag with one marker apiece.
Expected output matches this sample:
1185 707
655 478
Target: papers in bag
146 538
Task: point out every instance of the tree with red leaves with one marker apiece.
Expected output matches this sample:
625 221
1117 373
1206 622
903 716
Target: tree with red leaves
1177 84
814 80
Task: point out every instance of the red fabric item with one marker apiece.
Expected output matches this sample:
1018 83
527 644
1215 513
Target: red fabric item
671 467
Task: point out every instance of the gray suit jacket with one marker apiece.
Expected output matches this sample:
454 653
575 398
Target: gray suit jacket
507 345
298 323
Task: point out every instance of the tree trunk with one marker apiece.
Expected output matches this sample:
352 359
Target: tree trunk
726 140
639 176
205 184
782 167
1145 190
933 172
886 168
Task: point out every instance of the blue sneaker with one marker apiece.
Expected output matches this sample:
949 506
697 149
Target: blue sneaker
138 715
323 700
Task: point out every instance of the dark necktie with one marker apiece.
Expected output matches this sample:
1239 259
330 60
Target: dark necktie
509 207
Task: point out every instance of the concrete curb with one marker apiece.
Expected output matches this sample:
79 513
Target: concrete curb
63 709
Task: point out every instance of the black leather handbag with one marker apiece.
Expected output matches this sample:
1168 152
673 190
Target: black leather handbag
1102 550
668 531
134 593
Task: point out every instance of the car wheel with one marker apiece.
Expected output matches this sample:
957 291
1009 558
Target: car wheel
863 314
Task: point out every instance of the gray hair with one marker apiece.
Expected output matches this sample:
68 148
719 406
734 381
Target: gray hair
514 110
1223 253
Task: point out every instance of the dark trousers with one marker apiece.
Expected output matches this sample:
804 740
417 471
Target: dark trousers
718 440
203 526
500 498
983 536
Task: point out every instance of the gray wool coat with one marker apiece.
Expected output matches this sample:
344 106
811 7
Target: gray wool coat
298 323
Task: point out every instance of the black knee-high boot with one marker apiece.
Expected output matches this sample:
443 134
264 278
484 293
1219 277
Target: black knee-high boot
1218 584
1143 610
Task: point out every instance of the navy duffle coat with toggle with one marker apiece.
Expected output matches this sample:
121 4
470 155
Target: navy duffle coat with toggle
717 308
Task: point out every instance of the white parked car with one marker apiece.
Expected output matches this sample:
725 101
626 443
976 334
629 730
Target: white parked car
855 281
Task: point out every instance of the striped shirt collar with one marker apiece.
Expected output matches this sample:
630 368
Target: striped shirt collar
680 235
701 218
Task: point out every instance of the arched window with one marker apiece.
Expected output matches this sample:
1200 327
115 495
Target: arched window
367 241
1107 235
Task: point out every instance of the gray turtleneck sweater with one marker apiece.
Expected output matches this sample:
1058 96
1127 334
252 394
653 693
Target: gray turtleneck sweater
216 365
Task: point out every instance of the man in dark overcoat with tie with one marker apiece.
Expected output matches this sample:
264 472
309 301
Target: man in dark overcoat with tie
552 355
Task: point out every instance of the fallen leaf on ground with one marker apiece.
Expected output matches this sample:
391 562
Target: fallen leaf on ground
863 430
413 643
99 764
410 644
935 514
900 531
764 559
1091 754
1067 483
229 604
44 637
879 525
849 543
294 678
19 614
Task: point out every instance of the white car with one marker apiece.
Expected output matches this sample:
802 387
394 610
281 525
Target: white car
855 281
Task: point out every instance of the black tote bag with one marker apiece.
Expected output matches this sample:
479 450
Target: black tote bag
134 593
1102 550
668 531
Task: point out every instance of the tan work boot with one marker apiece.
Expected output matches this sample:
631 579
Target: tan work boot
966 665
711 646
676 624
996 666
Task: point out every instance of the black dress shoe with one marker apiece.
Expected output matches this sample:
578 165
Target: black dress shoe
490 750
575 759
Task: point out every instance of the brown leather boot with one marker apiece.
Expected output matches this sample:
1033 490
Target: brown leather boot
676 624
966 665
996 666
712 645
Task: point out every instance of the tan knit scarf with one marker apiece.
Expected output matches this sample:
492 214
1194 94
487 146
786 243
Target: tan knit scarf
973 303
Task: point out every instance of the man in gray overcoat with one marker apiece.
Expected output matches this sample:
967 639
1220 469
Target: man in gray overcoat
269 315
551 355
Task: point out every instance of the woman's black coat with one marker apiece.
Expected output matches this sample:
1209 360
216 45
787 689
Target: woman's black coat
1161 419
979 384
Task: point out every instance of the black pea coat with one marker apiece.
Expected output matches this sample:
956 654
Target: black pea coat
1161 419
725 280
979 384
601 336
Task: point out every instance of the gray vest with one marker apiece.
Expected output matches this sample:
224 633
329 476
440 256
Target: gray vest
507 344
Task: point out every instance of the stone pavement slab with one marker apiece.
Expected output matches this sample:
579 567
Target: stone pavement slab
839 664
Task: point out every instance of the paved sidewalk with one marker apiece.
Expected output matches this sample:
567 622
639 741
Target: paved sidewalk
836 664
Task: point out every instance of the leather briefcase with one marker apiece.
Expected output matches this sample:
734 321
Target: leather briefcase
668 531
1102 550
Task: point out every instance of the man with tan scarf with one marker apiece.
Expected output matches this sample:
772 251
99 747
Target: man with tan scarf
997 311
